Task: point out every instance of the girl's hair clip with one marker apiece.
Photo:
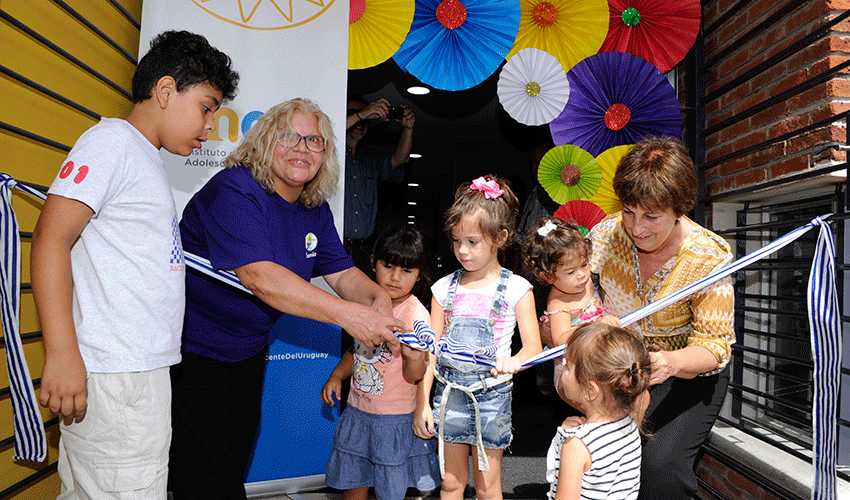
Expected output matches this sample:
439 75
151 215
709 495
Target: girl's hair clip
490 188
546 228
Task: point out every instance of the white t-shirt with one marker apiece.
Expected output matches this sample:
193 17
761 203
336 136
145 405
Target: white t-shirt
477 303
128 267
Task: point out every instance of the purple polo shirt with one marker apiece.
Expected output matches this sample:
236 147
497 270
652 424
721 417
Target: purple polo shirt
232 221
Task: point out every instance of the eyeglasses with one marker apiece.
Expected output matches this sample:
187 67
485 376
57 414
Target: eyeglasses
289 140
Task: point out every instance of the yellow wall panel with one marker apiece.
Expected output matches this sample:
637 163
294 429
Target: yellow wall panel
31 161
12 471
44 117
28 160
46 68
53 23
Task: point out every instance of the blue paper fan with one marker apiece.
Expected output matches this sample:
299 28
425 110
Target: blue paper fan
457 44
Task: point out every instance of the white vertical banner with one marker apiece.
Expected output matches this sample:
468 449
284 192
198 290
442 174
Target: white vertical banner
282 49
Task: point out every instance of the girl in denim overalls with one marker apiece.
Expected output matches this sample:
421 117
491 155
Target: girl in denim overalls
478 307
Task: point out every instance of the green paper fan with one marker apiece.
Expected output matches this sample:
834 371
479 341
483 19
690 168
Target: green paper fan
569 173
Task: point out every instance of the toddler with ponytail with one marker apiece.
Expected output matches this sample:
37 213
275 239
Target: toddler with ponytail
605 375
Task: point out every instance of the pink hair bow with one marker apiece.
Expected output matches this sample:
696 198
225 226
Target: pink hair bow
491 188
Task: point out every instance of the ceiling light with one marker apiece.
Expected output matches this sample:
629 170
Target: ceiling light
416 90
411 203
413 185
415 155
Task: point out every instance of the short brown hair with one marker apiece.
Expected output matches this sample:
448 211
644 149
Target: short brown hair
612 357
657 174
543 254
256 151
500 213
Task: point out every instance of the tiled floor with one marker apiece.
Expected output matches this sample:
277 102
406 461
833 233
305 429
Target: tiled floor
524 466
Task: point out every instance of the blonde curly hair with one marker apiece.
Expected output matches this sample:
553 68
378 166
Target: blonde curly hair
256 151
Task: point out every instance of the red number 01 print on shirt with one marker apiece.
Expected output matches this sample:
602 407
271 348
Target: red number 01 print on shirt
68 167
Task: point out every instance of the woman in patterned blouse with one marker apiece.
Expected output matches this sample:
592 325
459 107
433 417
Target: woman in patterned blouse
643 253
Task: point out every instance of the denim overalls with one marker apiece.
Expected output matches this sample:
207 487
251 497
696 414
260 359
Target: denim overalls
472 407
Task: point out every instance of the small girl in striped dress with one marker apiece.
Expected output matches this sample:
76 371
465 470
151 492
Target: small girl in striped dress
605 375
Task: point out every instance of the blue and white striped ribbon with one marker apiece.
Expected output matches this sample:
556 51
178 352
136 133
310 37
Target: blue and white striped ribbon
824 318
825 326
712 278
30 439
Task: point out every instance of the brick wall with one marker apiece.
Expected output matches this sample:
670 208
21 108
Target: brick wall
766 28
738 37
731 484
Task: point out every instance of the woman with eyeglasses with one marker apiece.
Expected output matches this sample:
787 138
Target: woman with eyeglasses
264 216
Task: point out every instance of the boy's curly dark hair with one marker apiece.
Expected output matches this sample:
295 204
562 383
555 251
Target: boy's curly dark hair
543 254
189 59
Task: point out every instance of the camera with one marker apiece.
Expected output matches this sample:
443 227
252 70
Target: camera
395 113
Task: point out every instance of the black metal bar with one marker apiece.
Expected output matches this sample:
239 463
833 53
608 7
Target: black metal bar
749 35
135 22
24 337
35 137
778 182
772 61
64 53
725 16
46 91
695 120
79 17
780 97
775 373
784 137
25 235
753 350
767 395
37 475
814 201
776 336
767 310
773 298
777 416
793 223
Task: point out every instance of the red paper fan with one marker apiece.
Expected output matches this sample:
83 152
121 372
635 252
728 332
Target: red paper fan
585 213
660 31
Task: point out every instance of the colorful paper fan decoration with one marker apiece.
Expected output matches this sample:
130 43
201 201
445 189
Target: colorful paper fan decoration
457 44
660 31
568 173
615 99
533 87
376 29
585 213
567 29
605 198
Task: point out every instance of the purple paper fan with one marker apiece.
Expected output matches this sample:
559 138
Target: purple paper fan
615 99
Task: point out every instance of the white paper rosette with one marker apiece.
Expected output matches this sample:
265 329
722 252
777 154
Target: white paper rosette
533 87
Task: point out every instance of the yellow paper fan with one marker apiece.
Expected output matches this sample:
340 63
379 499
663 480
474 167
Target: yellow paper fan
568 30
376 29
608 160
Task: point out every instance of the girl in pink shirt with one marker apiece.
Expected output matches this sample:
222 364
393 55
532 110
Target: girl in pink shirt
374 444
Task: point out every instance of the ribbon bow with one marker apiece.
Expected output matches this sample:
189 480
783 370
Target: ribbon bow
490 188
546 228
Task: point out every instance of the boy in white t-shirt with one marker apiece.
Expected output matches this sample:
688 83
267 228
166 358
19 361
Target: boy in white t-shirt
108 275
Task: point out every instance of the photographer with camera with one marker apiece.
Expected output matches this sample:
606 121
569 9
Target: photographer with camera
364 170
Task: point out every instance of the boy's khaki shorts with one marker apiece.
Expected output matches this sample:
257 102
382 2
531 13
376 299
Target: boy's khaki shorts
120 448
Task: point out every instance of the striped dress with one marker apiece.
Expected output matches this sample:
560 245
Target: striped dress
615 453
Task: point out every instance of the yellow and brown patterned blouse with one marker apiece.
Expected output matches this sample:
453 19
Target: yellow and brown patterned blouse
705 318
